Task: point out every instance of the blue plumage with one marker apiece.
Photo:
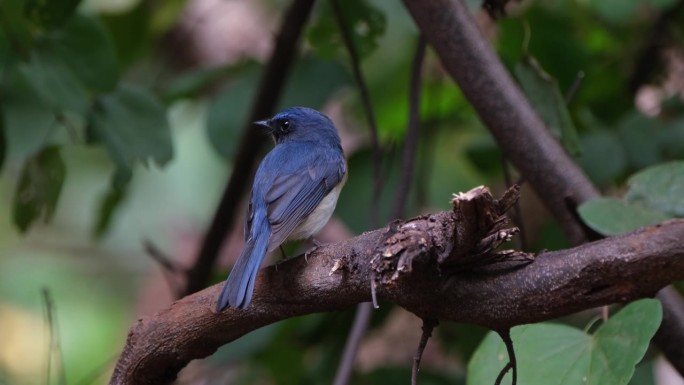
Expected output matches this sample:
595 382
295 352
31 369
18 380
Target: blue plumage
294 194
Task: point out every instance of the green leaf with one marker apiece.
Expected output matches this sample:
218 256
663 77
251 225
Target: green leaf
365 22
55 83
133 126
543 92
610 216
602 157
86 48
112 199
28 122
553 354
637 133
671 139
39 187
660 187
130 32
50 13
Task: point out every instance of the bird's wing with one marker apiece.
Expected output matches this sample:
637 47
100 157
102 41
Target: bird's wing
293 196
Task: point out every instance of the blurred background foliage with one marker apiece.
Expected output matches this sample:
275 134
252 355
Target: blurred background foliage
120 119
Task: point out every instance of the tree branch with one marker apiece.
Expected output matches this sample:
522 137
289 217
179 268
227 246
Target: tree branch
270 88
416 265
527 143
355 62
468 58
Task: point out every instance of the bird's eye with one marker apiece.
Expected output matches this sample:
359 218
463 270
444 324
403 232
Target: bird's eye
284 125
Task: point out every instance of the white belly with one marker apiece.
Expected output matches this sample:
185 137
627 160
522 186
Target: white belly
319 217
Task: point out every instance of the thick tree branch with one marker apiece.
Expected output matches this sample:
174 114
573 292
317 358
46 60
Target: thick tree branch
418 266
270 88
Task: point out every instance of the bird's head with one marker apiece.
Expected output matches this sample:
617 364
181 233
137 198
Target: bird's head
301 124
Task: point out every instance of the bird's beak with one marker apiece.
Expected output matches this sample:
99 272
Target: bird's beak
263 123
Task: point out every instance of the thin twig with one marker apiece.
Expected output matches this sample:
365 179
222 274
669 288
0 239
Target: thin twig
512 364
574 87
270 89
363 310
428 327
412 132
54 343
502 373
351 347
368 109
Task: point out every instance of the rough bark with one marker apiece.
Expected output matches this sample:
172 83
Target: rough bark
440 266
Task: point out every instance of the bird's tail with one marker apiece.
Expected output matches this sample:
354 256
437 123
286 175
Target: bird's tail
238 289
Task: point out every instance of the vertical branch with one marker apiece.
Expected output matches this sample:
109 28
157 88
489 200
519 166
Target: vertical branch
270 89
54 344
670 334
412 131
351 347
363 310
368 109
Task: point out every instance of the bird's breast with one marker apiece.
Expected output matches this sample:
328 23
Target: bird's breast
315 221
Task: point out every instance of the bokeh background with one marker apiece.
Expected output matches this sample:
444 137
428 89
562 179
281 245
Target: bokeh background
135 108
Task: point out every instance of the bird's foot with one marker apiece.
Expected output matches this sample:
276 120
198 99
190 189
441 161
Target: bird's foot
316 245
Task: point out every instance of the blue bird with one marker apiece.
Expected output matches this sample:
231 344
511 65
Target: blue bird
294 194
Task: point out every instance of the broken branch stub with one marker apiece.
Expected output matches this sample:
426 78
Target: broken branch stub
468 239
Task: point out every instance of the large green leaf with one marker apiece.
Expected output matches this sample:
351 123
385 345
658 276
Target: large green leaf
69 63
133 126
28 122
542 90
86 48
553 354
660 187
610 216
39 187
50 78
